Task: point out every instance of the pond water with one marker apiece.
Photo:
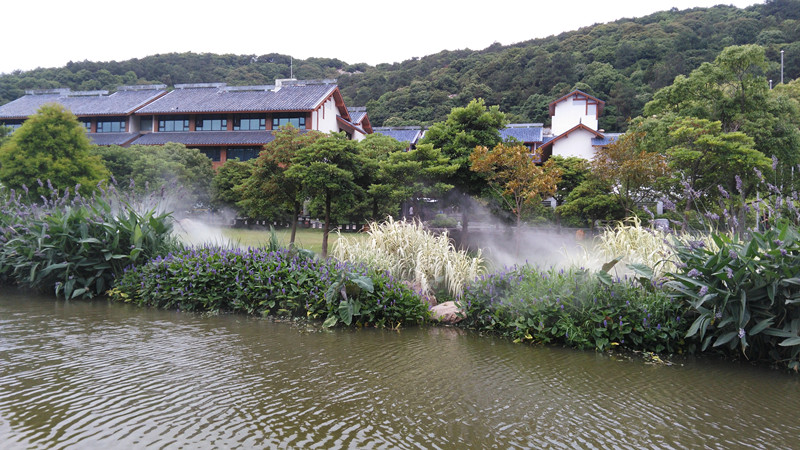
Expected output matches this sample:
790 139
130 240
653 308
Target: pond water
98 374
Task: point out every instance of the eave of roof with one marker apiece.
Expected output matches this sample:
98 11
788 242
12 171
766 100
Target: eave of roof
349 126
208 138
566 134
578 92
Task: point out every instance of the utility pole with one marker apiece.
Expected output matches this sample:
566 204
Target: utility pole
781 66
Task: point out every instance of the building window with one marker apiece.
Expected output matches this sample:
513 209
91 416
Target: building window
11 124
173 123
249 122
244 153
212 152
111 125
87 123
146 124
211 123
296 120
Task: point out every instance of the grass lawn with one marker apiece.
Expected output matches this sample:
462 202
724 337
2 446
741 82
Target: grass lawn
307 238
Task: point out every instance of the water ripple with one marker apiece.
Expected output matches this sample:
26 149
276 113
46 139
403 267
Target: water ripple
78 375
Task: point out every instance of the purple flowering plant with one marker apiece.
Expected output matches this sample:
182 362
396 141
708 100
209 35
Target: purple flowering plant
573 307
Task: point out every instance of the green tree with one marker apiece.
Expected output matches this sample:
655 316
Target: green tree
734 91
574 171
231 174
327 170
51 145
466 128
148 168
5 133
416 174
714 167
628 169
381 198
269 191
589 202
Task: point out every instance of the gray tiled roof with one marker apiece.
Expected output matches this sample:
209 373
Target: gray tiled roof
403 135
112 138
208 138
606 139
357 114
239 99
120 103
522 134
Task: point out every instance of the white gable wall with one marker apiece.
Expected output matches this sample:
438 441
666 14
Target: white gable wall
570 112
324 118
578 143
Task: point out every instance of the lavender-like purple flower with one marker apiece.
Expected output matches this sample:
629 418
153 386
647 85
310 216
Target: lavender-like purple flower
741 333
723 191
729 272
703 291
739 184
694 273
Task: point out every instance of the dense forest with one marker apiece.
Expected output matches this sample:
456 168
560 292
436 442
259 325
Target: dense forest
623 62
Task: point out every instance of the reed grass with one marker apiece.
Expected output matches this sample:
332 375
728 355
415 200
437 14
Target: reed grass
411 253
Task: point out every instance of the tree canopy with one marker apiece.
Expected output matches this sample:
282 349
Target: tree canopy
327 170
51 145
623 62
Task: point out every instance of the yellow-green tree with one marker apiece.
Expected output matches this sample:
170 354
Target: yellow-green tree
515 176
51 145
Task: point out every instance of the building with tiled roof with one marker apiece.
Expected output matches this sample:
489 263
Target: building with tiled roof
409 134
574 126
222 121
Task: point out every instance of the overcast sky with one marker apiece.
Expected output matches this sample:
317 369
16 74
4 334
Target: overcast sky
50 33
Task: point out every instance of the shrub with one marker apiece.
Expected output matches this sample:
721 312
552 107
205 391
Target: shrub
410 253
282 282
745 294
443 221
573 307
77 245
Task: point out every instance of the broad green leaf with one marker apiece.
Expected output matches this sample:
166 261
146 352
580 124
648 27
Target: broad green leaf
725 338
330 322
790 342
760 326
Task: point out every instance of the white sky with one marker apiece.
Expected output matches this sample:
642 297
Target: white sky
50 33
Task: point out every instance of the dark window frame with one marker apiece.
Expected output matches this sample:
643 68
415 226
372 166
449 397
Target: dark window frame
163 121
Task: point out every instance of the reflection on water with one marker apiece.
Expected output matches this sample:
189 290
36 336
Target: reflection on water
92 374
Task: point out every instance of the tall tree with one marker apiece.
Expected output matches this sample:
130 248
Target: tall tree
466 128
233 173
328 169
416 174
381 197
630 170
50 145
269 191
714 166
734 91
514 175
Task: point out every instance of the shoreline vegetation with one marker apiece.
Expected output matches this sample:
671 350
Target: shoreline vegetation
732 296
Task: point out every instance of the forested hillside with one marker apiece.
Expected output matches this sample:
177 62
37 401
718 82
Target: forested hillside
623 62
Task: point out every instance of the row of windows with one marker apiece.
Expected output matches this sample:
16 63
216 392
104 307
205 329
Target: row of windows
243 153
220 123
181 123
106 125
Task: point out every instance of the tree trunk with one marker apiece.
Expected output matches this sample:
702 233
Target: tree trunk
327 224
296 212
